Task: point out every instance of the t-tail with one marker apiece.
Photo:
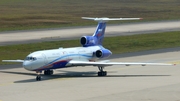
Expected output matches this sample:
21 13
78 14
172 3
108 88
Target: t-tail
99 33
98 36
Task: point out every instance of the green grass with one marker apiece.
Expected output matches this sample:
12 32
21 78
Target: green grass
120 44
34 14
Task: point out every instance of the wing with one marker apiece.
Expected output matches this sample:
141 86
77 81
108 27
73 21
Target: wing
107 63
12 60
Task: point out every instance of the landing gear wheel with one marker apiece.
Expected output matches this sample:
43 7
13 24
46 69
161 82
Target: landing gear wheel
51 72
38 78
101 72
48 72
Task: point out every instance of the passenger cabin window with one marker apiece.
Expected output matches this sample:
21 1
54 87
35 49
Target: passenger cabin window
30 58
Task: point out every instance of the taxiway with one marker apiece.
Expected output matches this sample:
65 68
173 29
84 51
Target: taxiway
21 37
132 83
123 83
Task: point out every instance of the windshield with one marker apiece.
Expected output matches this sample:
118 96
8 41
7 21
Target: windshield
30 58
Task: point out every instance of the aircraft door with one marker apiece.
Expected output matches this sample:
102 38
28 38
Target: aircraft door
44 58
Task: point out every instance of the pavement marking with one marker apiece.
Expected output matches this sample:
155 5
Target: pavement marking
51 37
6 84
175 62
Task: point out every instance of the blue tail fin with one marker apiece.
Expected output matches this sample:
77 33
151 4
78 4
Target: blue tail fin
99 33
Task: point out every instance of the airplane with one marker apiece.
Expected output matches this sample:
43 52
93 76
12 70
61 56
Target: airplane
88 55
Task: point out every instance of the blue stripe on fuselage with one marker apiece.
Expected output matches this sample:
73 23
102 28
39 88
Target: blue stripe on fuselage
59 62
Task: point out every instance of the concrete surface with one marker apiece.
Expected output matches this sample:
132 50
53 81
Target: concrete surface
21 37
131 83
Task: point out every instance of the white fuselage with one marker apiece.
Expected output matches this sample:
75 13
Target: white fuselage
59 58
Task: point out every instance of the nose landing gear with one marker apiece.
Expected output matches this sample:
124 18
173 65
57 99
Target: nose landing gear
38 77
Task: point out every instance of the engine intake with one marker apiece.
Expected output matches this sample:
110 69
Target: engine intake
88 41
104 53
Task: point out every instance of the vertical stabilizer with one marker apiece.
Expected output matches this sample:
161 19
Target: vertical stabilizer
98 35
99 32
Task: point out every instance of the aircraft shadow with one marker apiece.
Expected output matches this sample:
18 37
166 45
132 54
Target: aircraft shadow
71 74
31 74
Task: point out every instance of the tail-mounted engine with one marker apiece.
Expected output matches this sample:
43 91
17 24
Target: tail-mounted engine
88 41
104 53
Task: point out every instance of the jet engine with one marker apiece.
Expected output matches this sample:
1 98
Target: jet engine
88 41
104 53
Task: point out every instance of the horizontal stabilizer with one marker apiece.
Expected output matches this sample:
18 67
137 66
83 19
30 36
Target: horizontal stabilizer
12 60
109 19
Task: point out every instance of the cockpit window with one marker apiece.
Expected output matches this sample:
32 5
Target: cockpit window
30 58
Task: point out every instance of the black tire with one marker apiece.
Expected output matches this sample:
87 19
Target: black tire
45 72
104 73
48 72
51 72
38 78
99 73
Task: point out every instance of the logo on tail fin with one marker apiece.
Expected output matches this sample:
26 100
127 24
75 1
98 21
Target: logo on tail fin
99 33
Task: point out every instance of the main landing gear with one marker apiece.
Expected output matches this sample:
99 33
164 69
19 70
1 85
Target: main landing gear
101 72
46 72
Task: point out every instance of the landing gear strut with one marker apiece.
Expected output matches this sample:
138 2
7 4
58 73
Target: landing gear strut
38 77
101 72
48 72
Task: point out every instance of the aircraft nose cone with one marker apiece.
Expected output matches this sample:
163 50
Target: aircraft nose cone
27 65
